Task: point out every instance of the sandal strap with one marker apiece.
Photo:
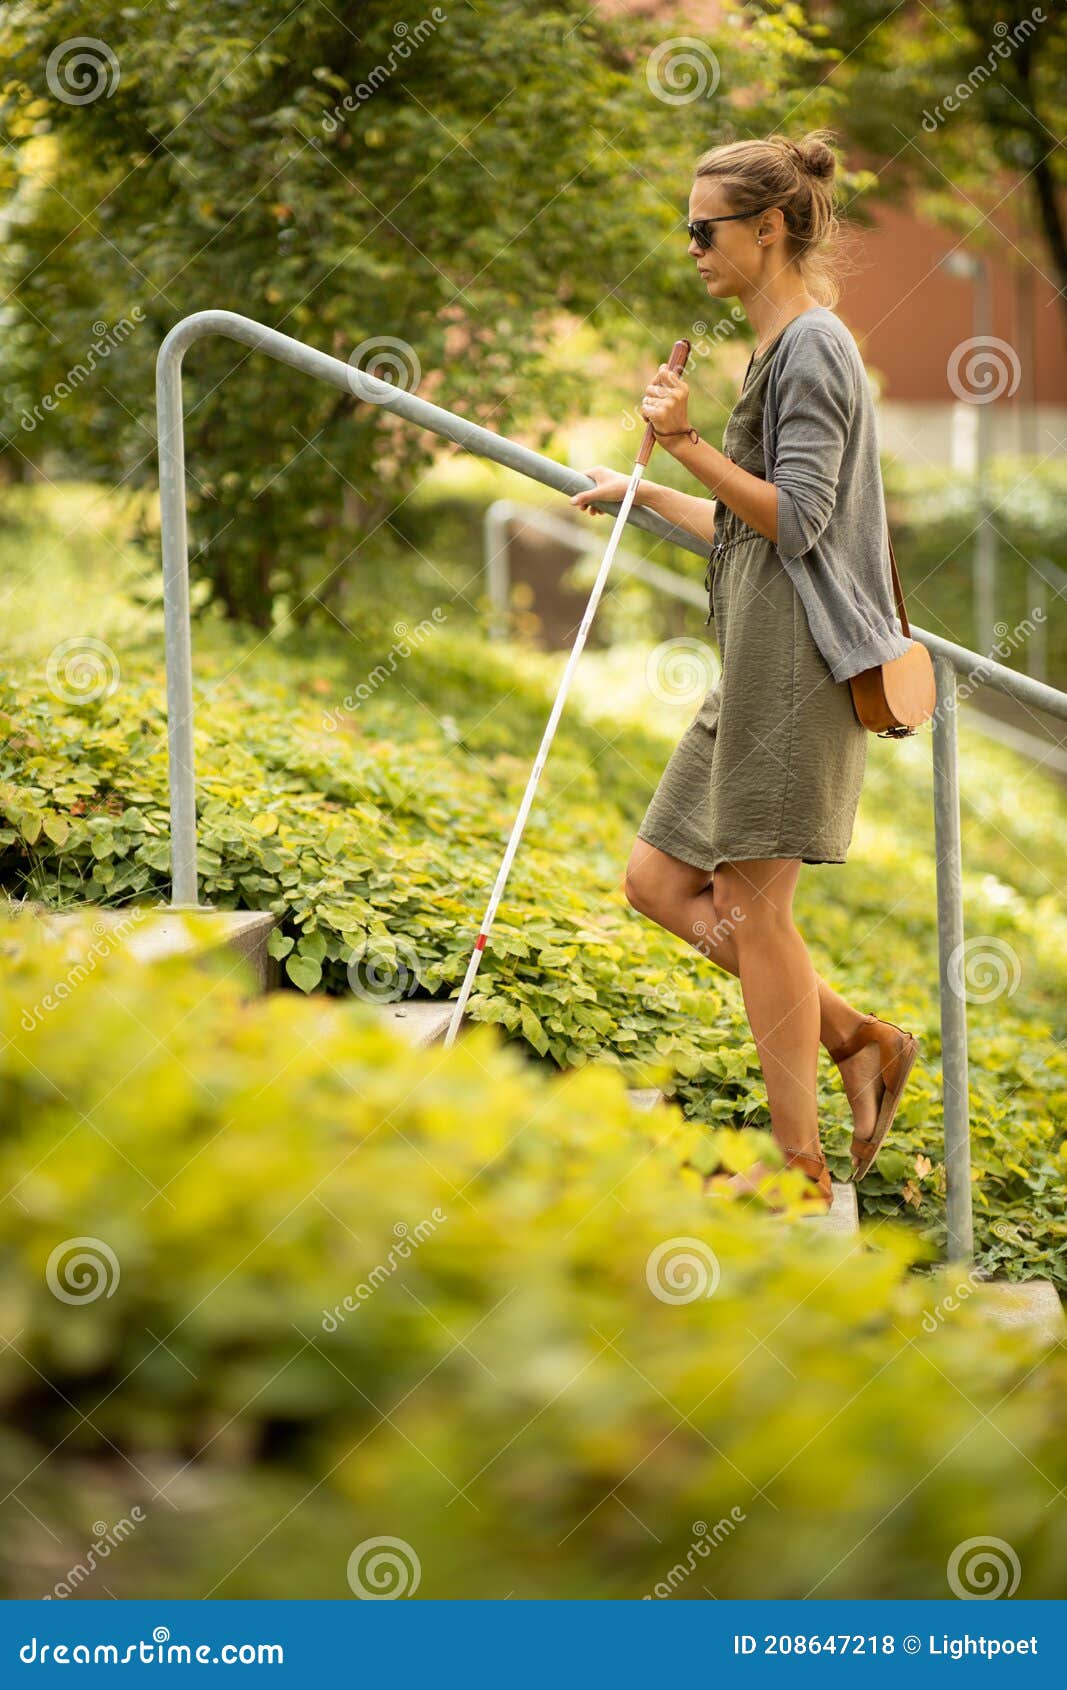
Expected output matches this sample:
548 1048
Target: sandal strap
855 1041
792 1154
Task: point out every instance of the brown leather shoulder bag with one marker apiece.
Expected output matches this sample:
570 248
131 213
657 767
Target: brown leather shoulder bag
895 698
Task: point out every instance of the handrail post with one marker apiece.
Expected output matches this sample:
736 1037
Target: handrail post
177 631
171 448
1037 645
954 1078
498 566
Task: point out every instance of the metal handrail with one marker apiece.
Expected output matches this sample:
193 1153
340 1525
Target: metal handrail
948 660
174 534
502 512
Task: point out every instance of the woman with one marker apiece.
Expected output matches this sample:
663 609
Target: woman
768 775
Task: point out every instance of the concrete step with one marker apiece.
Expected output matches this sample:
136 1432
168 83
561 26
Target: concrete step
843 1216
425 1020
421 1020
645 1097
1033 1304
151 932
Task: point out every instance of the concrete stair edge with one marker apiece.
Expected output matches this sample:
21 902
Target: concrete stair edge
1033 1304
425 1020
153 932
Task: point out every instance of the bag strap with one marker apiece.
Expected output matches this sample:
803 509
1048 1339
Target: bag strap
898 590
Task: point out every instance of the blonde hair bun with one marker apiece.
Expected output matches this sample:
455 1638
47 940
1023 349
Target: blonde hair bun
816 157
797 177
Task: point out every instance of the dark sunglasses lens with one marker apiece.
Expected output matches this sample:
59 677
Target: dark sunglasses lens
702 234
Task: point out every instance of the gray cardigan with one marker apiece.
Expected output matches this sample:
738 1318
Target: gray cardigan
820 448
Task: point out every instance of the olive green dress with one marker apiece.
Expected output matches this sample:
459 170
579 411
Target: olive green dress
772 765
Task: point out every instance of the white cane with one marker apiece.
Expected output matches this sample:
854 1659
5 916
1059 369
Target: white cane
677 362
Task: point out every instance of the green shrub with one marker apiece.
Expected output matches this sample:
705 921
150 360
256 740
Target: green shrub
510 1396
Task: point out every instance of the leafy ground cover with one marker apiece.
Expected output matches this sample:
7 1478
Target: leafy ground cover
361 785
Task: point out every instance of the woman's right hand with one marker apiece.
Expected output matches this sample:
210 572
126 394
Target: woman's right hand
610 489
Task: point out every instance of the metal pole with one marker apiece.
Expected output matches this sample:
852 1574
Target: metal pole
175 545
498 566
177 634
985 560
951 964
1037 645
986 671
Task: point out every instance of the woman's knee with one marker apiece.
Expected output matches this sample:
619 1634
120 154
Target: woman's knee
655 883
643 887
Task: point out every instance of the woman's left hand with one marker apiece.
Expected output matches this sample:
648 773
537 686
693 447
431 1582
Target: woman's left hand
610 489
666 402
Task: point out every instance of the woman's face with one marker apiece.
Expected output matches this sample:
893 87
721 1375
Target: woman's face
733 264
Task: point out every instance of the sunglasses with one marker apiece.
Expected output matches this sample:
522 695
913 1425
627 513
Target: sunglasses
702 232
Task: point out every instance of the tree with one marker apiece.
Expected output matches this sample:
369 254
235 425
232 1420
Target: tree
966 102
463 185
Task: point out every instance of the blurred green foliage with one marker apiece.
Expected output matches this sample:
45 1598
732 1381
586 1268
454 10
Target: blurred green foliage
509 1395
935 514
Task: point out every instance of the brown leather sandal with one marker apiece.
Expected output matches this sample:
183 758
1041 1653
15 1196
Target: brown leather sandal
821 1188
818 1195
898 1050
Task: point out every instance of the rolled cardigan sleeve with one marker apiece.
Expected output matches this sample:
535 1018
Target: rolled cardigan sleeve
816 404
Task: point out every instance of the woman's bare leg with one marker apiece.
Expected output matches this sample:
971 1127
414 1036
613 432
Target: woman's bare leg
679 897
779 987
